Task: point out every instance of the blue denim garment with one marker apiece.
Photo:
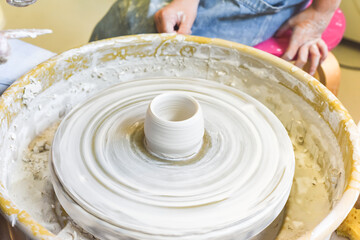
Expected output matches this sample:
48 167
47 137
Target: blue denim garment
245 21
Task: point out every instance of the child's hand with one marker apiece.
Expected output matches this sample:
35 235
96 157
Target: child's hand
178 16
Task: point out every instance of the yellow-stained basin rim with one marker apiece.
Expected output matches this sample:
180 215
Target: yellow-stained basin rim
322 231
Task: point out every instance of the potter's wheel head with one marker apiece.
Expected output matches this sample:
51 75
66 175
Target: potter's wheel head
235 183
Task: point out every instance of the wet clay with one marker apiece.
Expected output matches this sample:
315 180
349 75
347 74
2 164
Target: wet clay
307 205
319 174
247 169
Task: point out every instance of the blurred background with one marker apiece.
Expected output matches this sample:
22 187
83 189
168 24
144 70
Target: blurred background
72 21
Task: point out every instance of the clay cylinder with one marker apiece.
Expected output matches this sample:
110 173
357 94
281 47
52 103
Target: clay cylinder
174 126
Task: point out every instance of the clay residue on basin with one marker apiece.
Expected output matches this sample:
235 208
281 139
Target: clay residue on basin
319 177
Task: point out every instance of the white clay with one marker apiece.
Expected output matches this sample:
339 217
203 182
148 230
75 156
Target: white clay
174 126
315 145
245 167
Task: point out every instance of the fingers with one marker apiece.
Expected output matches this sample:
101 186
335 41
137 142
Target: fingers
314 58
306 43
323 50
310 52
185 25
294 45
4 49
164 21
315 51
291 51
303 55
178 16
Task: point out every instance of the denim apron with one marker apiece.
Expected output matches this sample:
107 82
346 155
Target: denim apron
245 21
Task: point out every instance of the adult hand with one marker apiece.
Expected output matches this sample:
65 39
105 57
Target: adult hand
306 41
178 16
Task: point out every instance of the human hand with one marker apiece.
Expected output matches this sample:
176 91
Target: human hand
4 48
306 41
16 34
178 16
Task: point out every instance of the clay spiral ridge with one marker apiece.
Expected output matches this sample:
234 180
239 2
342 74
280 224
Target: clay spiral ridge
237 183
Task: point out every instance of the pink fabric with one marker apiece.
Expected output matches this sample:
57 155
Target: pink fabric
332 36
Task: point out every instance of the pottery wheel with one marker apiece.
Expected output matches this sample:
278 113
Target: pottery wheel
112 186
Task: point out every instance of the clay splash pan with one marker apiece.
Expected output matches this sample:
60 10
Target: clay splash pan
323 136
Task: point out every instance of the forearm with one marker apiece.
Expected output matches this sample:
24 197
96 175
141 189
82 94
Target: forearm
326 6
